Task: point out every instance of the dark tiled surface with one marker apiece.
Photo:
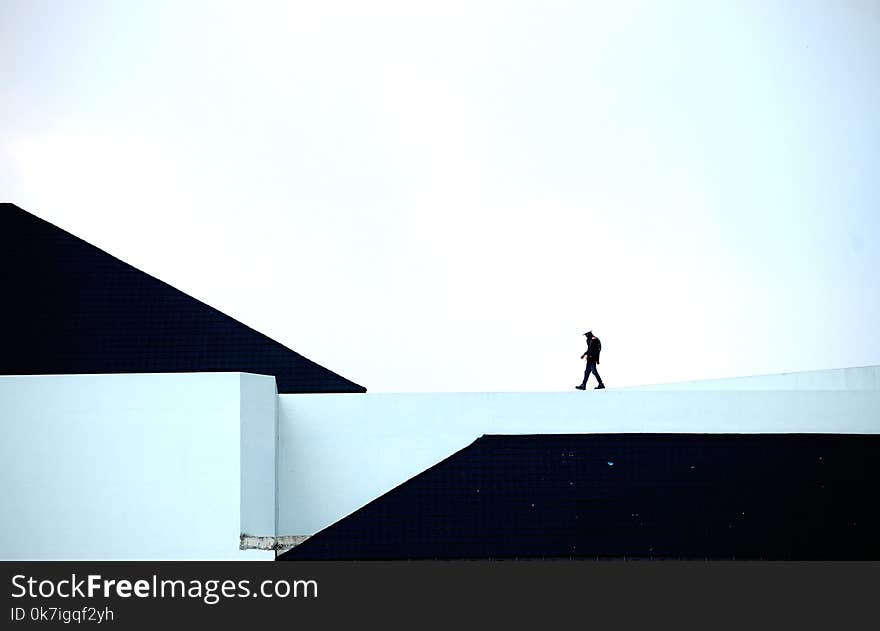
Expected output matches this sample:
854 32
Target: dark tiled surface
721 496
70 308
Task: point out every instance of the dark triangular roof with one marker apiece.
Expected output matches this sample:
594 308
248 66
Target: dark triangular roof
789 496
71 308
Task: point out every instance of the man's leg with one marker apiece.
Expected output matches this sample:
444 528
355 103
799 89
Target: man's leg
583 385
596 372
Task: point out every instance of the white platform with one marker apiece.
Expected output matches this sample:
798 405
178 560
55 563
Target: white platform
179 466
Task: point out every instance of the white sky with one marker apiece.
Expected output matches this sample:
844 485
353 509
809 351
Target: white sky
445 196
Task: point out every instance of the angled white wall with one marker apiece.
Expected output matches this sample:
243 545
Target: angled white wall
866 378
338 452
135 466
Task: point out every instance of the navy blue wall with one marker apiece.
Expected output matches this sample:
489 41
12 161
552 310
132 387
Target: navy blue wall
70 308
721 496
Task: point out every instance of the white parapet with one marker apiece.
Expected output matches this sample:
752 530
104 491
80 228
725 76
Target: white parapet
147 466
339 452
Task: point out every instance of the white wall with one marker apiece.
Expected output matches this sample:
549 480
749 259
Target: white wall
338 452
129 466
178 466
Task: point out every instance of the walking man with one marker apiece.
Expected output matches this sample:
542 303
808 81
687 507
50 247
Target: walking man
594 347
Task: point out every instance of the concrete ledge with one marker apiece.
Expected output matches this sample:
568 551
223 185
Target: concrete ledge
278 544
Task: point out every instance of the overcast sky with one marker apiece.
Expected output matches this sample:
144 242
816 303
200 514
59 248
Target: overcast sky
446 196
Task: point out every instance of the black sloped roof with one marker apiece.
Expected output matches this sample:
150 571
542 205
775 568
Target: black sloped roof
71 308
717 496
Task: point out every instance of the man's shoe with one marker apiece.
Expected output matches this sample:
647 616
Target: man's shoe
581 387
599 388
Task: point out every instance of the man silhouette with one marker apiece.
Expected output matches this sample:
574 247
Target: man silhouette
594 347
